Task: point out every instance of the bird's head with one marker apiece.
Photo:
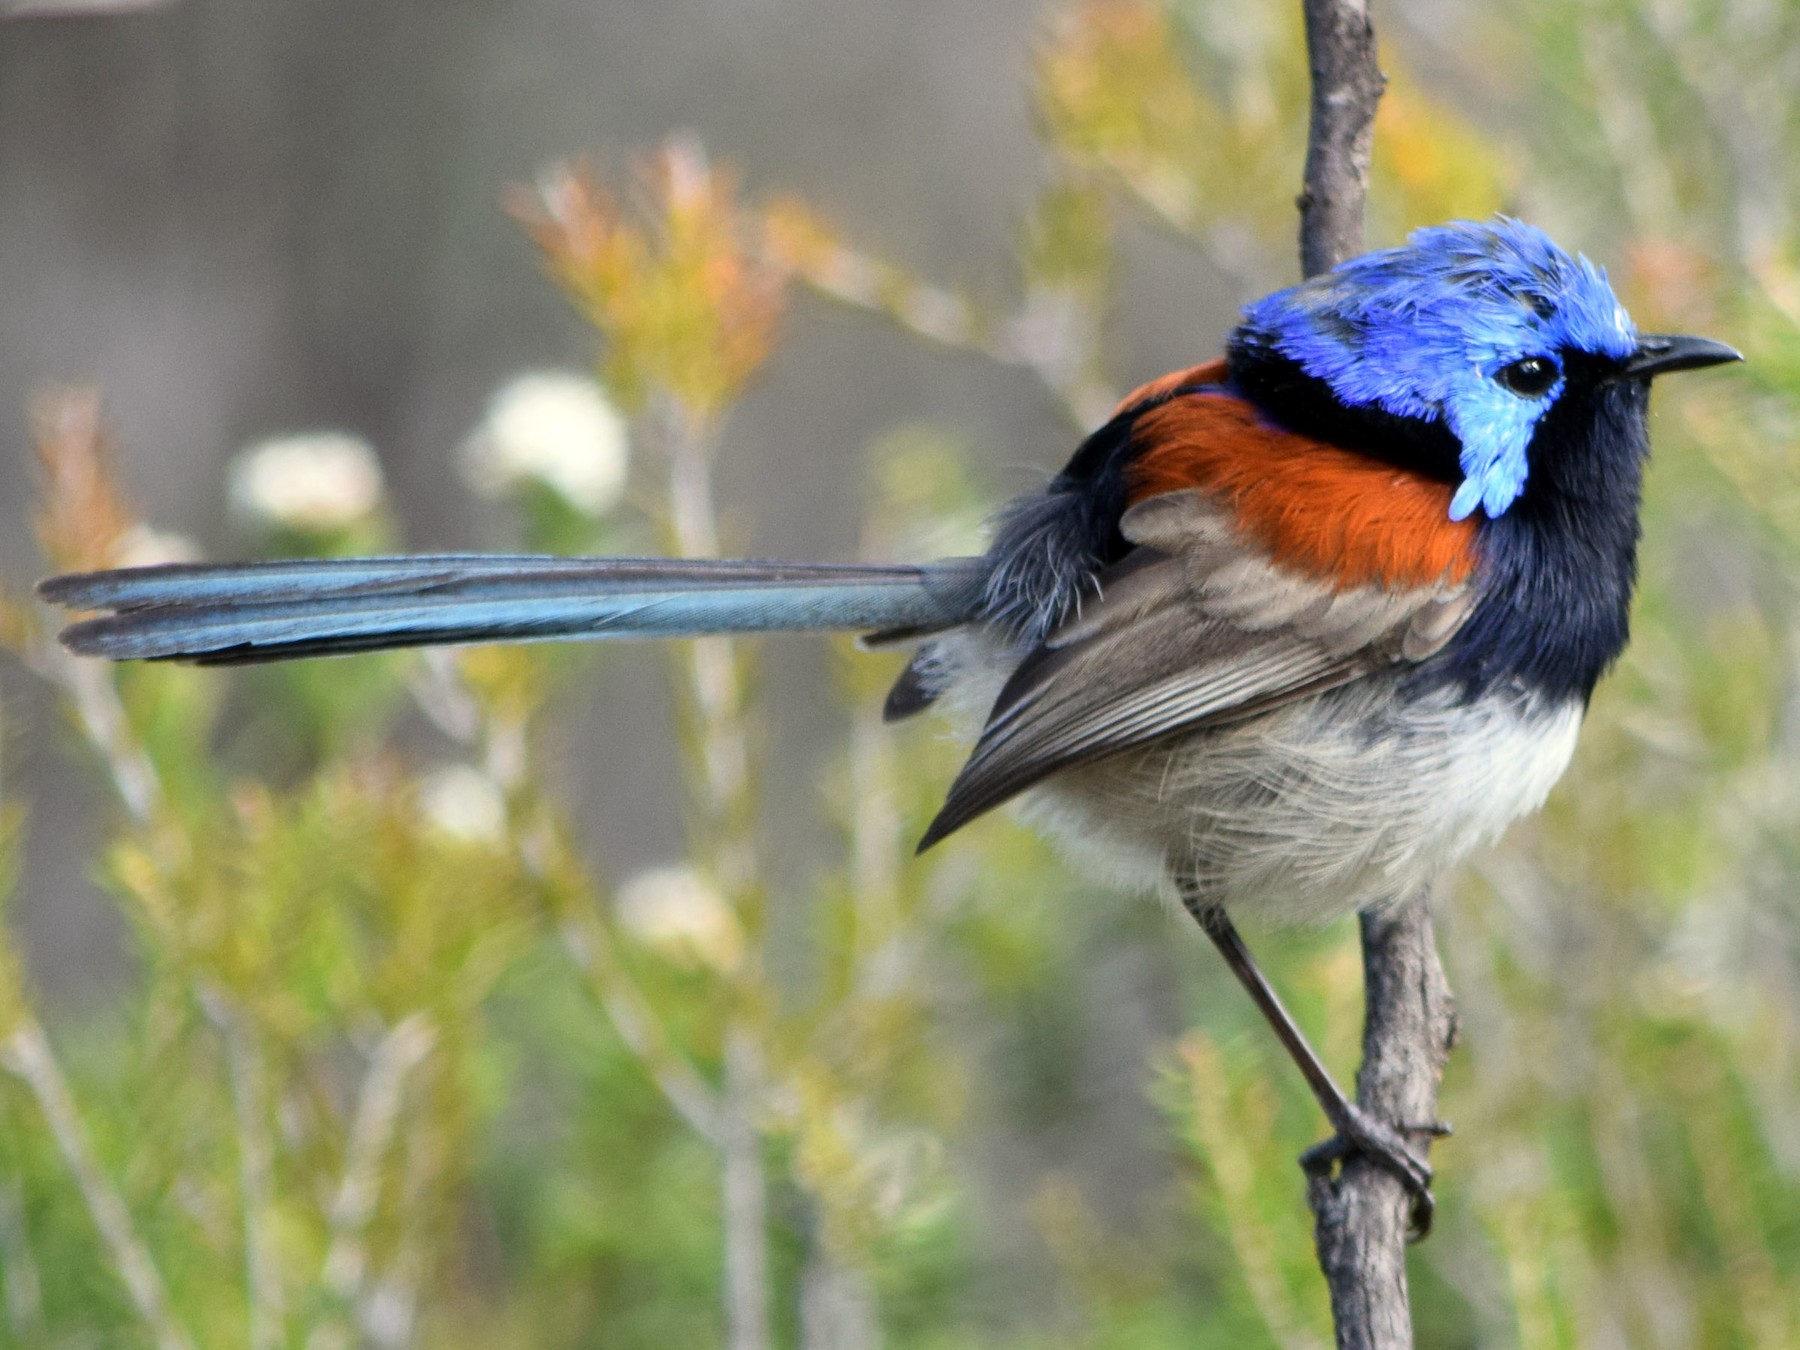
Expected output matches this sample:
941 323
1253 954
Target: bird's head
1466 337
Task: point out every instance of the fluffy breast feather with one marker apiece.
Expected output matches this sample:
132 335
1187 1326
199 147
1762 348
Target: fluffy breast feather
1350 799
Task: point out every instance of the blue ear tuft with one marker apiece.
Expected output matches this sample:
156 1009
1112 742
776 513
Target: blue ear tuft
1467 498
1420 331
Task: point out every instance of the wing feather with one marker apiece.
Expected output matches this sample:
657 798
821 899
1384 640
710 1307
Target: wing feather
1195 628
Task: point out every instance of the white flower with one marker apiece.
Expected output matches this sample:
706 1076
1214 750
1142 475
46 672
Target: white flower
464 803
675 911
145 547
555 428
315 480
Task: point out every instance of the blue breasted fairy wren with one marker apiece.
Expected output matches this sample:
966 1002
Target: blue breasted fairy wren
1291 633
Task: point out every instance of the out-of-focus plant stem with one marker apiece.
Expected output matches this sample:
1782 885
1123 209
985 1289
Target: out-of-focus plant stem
746 1195
590 946
875 855
390 1305
75 528
72 444
720 742
1053 333
503 748
1739 107
399 1052
1623 116
20 1283
93 693
27 1053
256 1161
837 1307
715 673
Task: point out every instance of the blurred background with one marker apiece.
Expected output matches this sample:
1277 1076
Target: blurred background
240 223
592 996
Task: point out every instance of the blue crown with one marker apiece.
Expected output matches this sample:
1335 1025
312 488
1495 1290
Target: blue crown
1423 330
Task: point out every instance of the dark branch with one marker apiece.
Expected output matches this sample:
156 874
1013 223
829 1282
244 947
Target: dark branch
1409 1026
1346 86
1361 1214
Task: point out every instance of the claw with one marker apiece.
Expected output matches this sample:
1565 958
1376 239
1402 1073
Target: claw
1358 1132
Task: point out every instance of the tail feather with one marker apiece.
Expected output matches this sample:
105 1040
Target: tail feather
242 612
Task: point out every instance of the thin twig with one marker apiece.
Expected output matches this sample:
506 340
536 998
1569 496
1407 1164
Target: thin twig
584 933
837 1305
1409 1023
746 1218
256 1165
390 1307
1052 334
1362 1213
27 1054
372 1128
720 741
94 697
1346 86
19 1281
93 693
590 947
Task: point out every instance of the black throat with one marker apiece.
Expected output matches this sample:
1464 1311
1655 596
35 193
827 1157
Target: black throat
1558 569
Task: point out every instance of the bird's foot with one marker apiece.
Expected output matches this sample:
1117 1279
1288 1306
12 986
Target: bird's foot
1358 1132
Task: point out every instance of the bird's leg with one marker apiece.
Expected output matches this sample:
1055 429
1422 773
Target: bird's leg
1356 1130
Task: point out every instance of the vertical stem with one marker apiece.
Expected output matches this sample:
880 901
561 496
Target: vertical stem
746 1220
1409 1020
390 1308
1346 86
19 1282
1361 1214
91 688
256 1165
837 1307
372 1129
715 674
875 854
721 743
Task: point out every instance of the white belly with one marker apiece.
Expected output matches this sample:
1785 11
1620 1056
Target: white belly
1339 802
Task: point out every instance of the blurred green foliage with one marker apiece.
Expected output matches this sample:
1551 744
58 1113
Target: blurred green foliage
400 1068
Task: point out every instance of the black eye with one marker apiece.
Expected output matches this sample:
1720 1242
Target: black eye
1529 378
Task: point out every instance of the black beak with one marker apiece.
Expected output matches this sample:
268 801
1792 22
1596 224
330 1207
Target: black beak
1660 353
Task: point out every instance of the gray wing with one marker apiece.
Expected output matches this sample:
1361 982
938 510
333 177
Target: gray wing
1194 628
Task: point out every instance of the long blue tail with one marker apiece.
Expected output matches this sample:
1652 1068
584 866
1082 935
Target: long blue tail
228 613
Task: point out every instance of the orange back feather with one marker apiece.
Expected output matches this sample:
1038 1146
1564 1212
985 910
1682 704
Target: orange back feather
1325 511
1209 372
